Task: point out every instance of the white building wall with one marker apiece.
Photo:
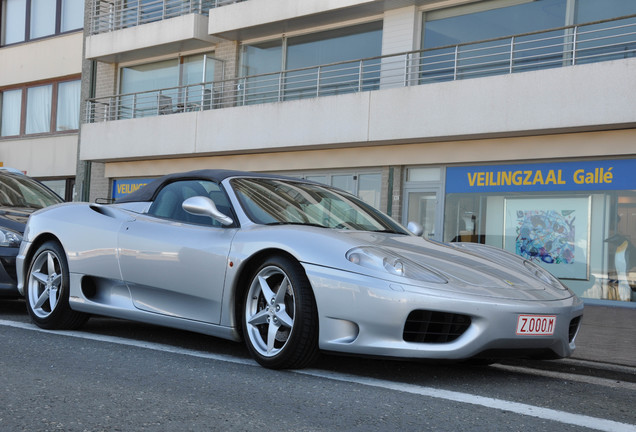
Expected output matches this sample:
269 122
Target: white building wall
53 57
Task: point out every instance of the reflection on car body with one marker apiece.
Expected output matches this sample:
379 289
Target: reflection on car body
292 268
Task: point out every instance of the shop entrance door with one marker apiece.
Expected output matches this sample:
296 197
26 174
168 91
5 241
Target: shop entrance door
424 207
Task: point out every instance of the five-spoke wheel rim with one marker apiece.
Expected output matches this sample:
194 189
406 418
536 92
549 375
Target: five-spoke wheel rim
269 311
45 282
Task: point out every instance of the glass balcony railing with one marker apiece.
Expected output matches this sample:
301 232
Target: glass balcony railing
563 47
113 15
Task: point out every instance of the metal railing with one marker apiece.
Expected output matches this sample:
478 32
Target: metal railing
567 46
113 15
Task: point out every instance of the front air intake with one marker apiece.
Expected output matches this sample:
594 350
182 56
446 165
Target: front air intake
574 328
426 326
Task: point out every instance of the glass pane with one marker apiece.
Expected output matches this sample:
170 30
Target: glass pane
14 23
192 70
323 48
68 105
262 59
422 209
344 182
369 187
151 76
72 15
490 58
494 23
424 174
605 41
42 18
38 116
594 10
319 179
57 186
11 105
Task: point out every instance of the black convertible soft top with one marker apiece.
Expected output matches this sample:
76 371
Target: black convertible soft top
148 192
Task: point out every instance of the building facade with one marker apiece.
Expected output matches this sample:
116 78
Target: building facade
505 122
40 80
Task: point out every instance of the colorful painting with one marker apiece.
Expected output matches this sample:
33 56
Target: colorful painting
550 232
546 236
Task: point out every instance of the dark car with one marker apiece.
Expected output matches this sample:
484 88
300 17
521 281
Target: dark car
19 197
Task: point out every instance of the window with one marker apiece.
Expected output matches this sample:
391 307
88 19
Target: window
153 88
11 107
39 109
24 20
366 186
309 51
446 30
14 21
68 105
609 40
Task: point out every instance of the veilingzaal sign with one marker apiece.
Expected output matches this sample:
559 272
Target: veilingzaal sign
543 177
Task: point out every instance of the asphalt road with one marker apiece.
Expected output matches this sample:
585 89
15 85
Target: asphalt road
116 375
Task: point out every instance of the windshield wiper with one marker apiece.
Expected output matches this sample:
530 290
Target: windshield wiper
389 231
296 223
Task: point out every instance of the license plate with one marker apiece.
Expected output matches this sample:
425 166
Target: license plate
536 325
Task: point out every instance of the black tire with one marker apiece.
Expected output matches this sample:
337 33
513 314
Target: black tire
47 290
280 327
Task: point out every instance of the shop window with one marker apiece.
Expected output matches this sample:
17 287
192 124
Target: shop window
585 237
25 20
40 109
366 186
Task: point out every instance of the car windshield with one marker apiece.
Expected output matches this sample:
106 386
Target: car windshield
22 192
282 202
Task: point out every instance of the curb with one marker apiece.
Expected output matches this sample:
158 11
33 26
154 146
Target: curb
580 367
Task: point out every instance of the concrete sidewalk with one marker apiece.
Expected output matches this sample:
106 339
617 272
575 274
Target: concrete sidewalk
607 335
605 346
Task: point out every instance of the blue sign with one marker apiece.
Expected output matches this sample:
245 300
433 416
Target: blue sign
126 186
544 177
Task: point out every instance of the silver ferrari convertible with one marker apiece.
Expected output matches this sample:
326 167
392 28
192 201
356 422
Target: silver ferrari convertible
292 268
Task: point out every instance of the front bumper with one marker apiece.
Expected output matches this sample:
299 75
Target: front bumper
367 316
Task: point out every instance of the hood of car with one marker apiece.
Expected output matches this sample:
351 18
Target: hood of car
467 268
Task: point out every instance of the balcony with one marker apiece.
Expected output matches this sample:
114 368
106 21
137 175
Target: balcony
124 31
107 16
557 48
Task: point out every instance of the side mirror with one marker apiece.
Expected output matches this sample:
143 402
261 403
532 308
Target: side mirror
415 228
204 206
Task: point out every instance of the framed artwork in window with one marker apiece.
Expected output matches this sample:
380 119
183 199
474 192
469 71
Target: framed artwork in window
551 232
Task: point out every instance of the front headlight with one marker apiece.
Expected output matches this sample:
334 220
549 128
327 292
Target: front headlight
9 238
386 261
543 275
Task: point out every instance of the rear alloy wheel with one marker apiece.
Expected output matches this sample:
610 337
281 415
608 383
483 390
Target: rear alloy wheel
280 321
47 290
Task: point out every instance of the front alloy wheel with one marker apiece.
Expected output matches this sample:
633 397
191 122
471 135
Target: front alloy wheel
279 316
47 290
